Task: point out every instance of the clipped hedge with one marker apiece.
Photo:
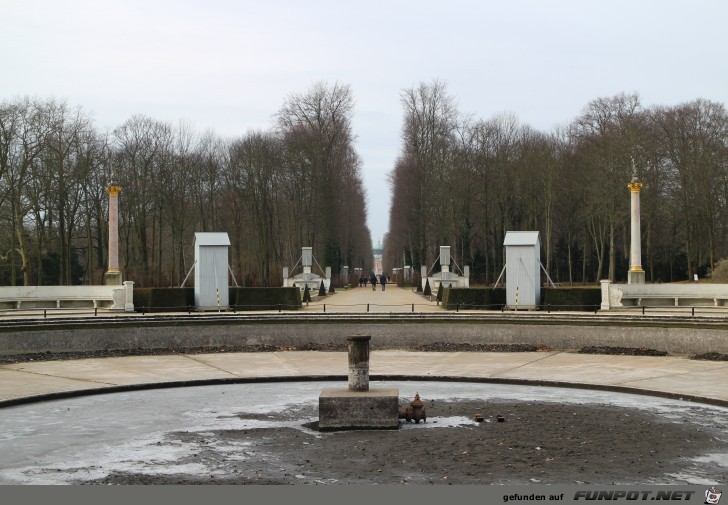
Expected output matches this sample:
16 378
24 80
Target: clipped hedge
265 298
586 299
428 290
180 299
163 299
440 291
474 298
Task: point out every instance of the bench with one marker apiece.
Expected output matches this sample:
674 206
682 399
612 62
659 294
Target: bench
663 295
58 297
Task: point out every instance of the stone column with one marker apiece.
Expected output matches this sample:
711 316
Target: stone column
635 275
359 362
113 275
605 294
129 298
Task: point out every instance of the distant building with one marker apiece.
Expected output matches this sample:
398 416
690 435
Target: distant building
378 258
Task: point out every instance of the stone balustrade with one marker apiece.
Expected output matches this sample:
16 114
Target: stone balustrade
39 297
663 295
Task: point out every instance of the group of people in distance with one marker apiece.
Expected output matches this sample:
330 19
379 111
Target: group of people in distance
373 280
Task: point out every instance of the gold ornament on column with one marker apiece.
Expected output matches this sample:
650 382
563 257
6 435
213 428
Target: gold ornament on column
113 190
634 187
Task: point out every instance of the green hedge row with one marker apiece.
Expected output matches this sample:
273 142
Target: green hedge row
586 299
265 298
181 299
163 299
474 298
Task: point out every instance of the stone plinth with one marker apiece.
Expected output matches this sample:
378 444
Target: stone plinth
113 278
341 409
636 277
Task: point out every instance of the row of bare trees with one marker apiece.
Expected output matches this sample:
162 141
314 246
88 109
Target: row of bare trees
297 184
465 182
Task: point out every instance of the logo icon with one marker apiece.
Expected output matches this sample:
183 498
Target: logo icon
712 495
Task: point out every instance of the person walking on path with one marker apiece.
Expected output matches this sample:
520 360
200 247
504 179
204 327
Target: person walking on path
383 281
373 280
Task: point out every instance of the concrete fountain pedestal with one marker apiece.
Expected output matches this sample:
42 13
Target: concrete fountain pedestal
358 406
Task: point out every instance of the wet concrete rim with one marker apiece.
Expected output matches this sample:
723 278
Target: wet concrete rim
62 395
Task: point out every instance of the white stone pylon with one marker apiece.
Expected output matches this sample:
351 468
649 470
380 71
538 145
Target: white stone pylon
636 274
113 274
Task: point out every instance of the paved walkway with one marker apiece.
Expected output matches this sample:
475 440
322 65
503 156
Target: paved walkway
671 376
392 299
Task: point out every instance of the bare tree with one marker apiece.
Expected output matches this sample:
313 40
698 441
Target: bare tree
67 162
253 181
693 138
143 146
430 119
609 134
316 129
24 137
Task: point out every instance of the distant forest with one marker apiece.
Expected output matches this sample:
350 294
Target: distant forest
464 182
273 192
458 181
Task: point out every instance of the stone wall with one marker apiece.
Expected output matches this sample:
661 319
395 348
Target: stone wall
678 339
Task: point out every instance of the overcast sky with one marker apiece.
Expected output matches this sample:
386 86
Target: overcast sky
228 65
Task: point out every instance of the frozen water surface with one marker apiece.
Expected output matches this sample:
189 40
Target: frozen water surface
89 437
